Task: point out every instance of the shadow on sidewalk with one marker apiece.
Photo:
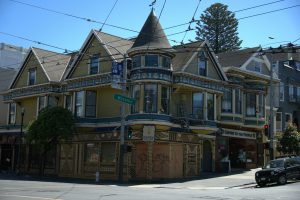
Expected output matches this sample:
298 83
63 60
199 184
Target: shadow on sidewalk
47 178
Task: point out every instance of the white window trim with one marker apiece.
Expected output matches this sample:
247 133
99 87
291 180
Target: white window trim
291 117
9 111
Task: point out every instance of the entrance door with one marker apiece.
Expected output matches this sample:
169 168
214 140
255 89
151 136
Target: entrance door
6 157
207 157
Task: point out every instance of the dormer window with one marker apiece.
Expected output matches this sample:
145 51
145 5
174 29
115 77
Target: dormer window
32 76
202 64
94 64
151 60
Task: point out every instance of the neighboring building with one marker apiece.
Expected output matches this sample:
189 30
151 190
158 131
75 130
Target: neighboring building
245 107
11 56
287 67
183 100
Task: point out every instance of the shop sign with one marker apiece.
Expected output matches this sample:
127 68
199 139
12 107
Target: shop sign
116 72
148 133
239 134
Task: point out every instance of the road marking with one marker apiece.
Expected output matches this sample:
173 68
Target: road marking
29 197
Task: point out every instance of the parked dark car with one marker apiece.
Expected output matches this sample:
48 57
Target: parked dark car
279 171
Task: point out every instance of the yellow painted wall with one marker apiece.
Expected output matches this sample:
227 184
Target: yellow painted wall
30 108
40 75
93 47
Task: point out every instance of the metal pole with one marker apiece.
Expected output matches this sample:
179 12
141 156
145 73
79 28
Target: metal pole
121 159
271 133
20 140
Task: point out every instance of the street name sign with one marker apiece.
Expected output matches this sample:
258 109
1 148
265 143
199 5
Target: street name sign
124 99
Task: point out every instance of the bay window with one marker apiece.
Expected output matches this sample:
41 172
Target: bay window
250 105
238 101
166 62
210 107
136 62
261 106
41 102
151 60
227 101
136 92
150 98
52 101
198 105
165 100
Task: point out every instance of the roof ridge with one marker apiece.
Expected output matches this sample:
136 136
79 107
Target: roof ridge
112 35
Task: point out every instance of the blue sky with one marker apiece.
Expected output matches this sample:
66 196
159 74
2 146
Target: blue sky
70 33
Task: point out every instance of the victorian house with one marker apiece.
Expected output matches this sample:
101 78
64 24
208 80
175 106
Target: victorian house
185 119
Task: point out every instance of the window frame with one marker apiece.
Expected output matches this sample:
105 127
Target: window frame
155 100
164 100
225 99
202 59
77 105
134 61
252 106
151 55
279 122
291 92
136 89
195 109
238 101
291 119
87 105
261 106
40 106
165 60
70 107
92 63
212 108
12 114
30 72
281 91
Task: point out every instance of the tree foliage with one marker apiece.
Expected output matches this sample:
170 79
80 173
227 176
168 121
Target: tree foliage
290 141
219 26
52 125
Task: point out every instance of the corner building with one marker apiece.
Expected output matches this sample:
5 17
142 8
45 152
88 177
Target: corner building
171 128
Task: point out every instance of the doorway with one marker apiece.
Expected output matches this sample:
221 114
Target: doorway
207 156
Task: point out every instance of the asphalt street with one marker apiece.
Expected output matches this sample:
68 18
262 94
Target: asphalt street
224 187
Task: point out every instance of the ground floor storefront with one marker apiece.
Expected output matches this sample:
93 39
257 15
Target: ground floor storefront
237 149
163 154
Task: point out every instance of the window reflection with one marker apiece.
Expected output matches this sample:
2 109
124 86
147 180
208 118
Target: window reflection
198 105
151 60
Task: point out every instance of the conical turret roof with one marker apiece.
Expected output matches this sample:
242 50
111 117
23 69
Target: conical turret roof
152 35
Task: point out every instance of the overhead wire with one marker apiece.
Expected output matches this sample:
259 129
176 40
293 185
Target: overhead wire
257 6
108 15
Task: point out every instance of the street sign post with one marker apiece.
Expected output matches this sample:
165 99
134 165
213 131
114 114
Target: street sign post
124 99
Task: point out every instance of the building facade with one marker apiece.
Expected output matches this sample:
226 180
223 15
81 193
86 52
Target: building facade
175 129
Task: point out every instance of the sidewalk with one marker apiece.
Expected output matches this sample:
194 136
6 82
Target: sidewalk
205 181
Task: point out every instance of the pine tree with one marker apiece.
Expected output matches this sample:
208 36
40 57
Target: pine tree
219 26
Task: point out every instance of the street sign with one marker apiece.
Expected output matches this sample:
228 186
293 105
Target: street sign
124 99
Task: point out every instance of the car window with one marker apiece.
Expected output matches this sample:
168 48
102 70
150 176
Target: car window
275 164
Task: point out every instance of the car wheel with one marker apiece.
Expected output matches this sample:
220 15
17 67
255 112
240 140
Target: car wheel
261 184
281 180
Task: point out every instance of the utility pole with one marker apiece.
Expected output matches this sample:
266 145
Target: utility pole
271 124
122 133
20 141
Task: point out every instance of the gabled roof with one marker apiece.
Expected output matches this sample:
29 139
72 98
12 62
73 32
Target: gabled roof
186 52
152 35
183 53
114 44
53 64
236 58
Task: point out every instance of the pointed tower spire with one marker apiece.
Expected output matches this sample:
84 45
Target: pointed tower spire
152 35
